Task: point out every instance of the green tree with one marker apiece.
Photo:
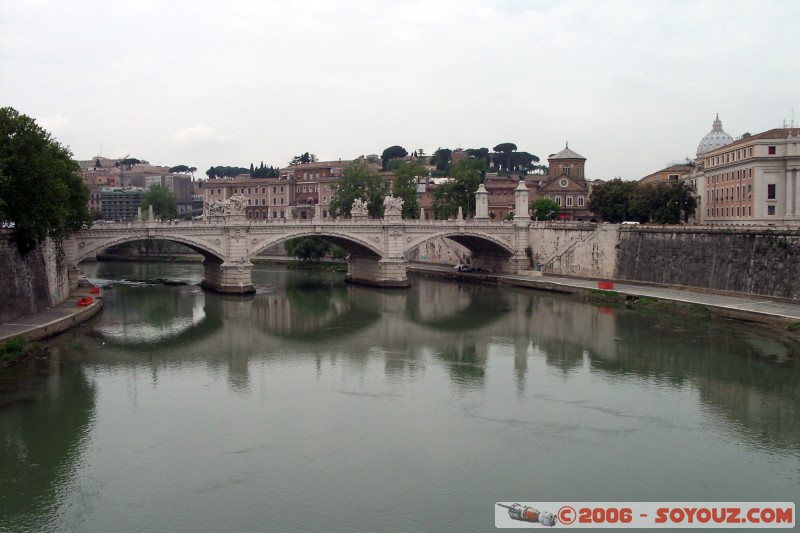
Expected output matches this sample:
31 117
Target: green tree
671 203
358 181
505 149
523 161
163 201
406 179
307 248
459 190
441 159
612 201
303 159
661 203
41 193
225 172
545 209
182 169
393 152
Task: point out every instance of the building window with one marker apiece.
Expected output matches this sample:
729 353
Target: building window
274 201
281 201
569 201
558 200
580 201
770 209
771 150
770 191
565 169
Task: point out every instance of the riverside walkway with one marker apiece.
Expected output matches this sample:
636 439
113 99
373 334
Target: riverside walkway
68 314
745 307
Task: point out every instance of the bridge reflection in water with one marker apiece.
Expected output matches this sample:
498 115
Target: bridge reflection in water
506 356
317 316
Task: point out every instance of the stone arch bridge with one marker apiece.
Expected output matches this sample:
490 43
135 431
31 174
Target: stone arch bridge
377 248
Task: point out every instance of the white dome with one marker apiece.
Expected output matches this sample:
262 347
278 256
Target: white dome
716 138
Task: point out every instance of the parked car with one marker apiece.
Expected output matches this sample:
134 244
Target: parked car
463 268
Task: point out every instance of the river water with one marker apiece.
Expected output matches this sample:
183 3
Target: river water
314 405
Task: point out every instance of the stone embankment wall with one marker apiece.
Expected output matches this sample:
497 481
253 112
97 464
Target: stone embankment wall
581 250
440 251
30 283
758 261
752 261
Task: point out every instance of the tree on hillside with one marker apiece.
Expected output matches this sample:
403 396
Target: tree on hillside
479 153
441 159
179 169
127 162
545 209
459 190
225 172
523 161
505 149
303 158
358 181
264 171
163 201
393 152
41 193
407 177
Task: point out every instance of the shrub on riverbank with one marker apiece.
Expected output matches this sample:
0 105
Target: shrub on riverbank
14 350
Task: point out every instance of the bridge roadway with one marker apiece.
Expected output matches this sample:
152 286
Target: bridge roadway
377 248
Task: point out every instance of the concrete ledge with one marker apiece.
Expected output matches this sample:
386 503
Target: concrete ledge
49 323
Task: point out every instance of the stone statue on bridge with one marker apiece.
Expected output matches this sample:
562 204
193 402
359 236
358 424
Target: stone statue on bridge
392 207
215 207
236 204
359 209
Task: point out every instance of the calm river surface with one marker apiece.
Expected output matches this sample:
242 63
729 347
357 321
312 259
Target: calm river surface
319 406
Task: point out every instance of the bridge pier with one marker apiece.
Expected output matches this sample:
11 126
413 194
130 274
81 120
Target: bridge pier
228 277
377 272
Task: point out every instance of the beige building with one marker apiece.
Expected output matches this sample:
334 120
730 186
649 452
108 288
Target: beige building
753 180
670 174
267 198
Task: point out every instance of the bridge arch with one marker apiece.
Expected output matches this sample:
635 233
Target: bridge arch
476 241
354 244
88 247
491 253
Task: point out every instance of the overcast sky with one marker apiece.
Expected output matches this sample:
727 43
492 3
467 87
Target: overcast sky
631 85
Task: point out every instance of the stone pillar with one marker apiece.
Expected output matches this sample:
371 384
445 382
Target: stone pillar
317 213
231 274
521 203
790 192
150 212
796 179
481 203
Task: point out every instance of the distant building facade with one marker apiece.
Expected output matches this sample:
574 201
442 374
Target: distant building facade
565 183
120 203
753 180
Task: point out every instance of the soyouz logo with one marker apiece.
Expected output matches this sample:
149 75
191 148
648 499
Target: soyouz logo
653 515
